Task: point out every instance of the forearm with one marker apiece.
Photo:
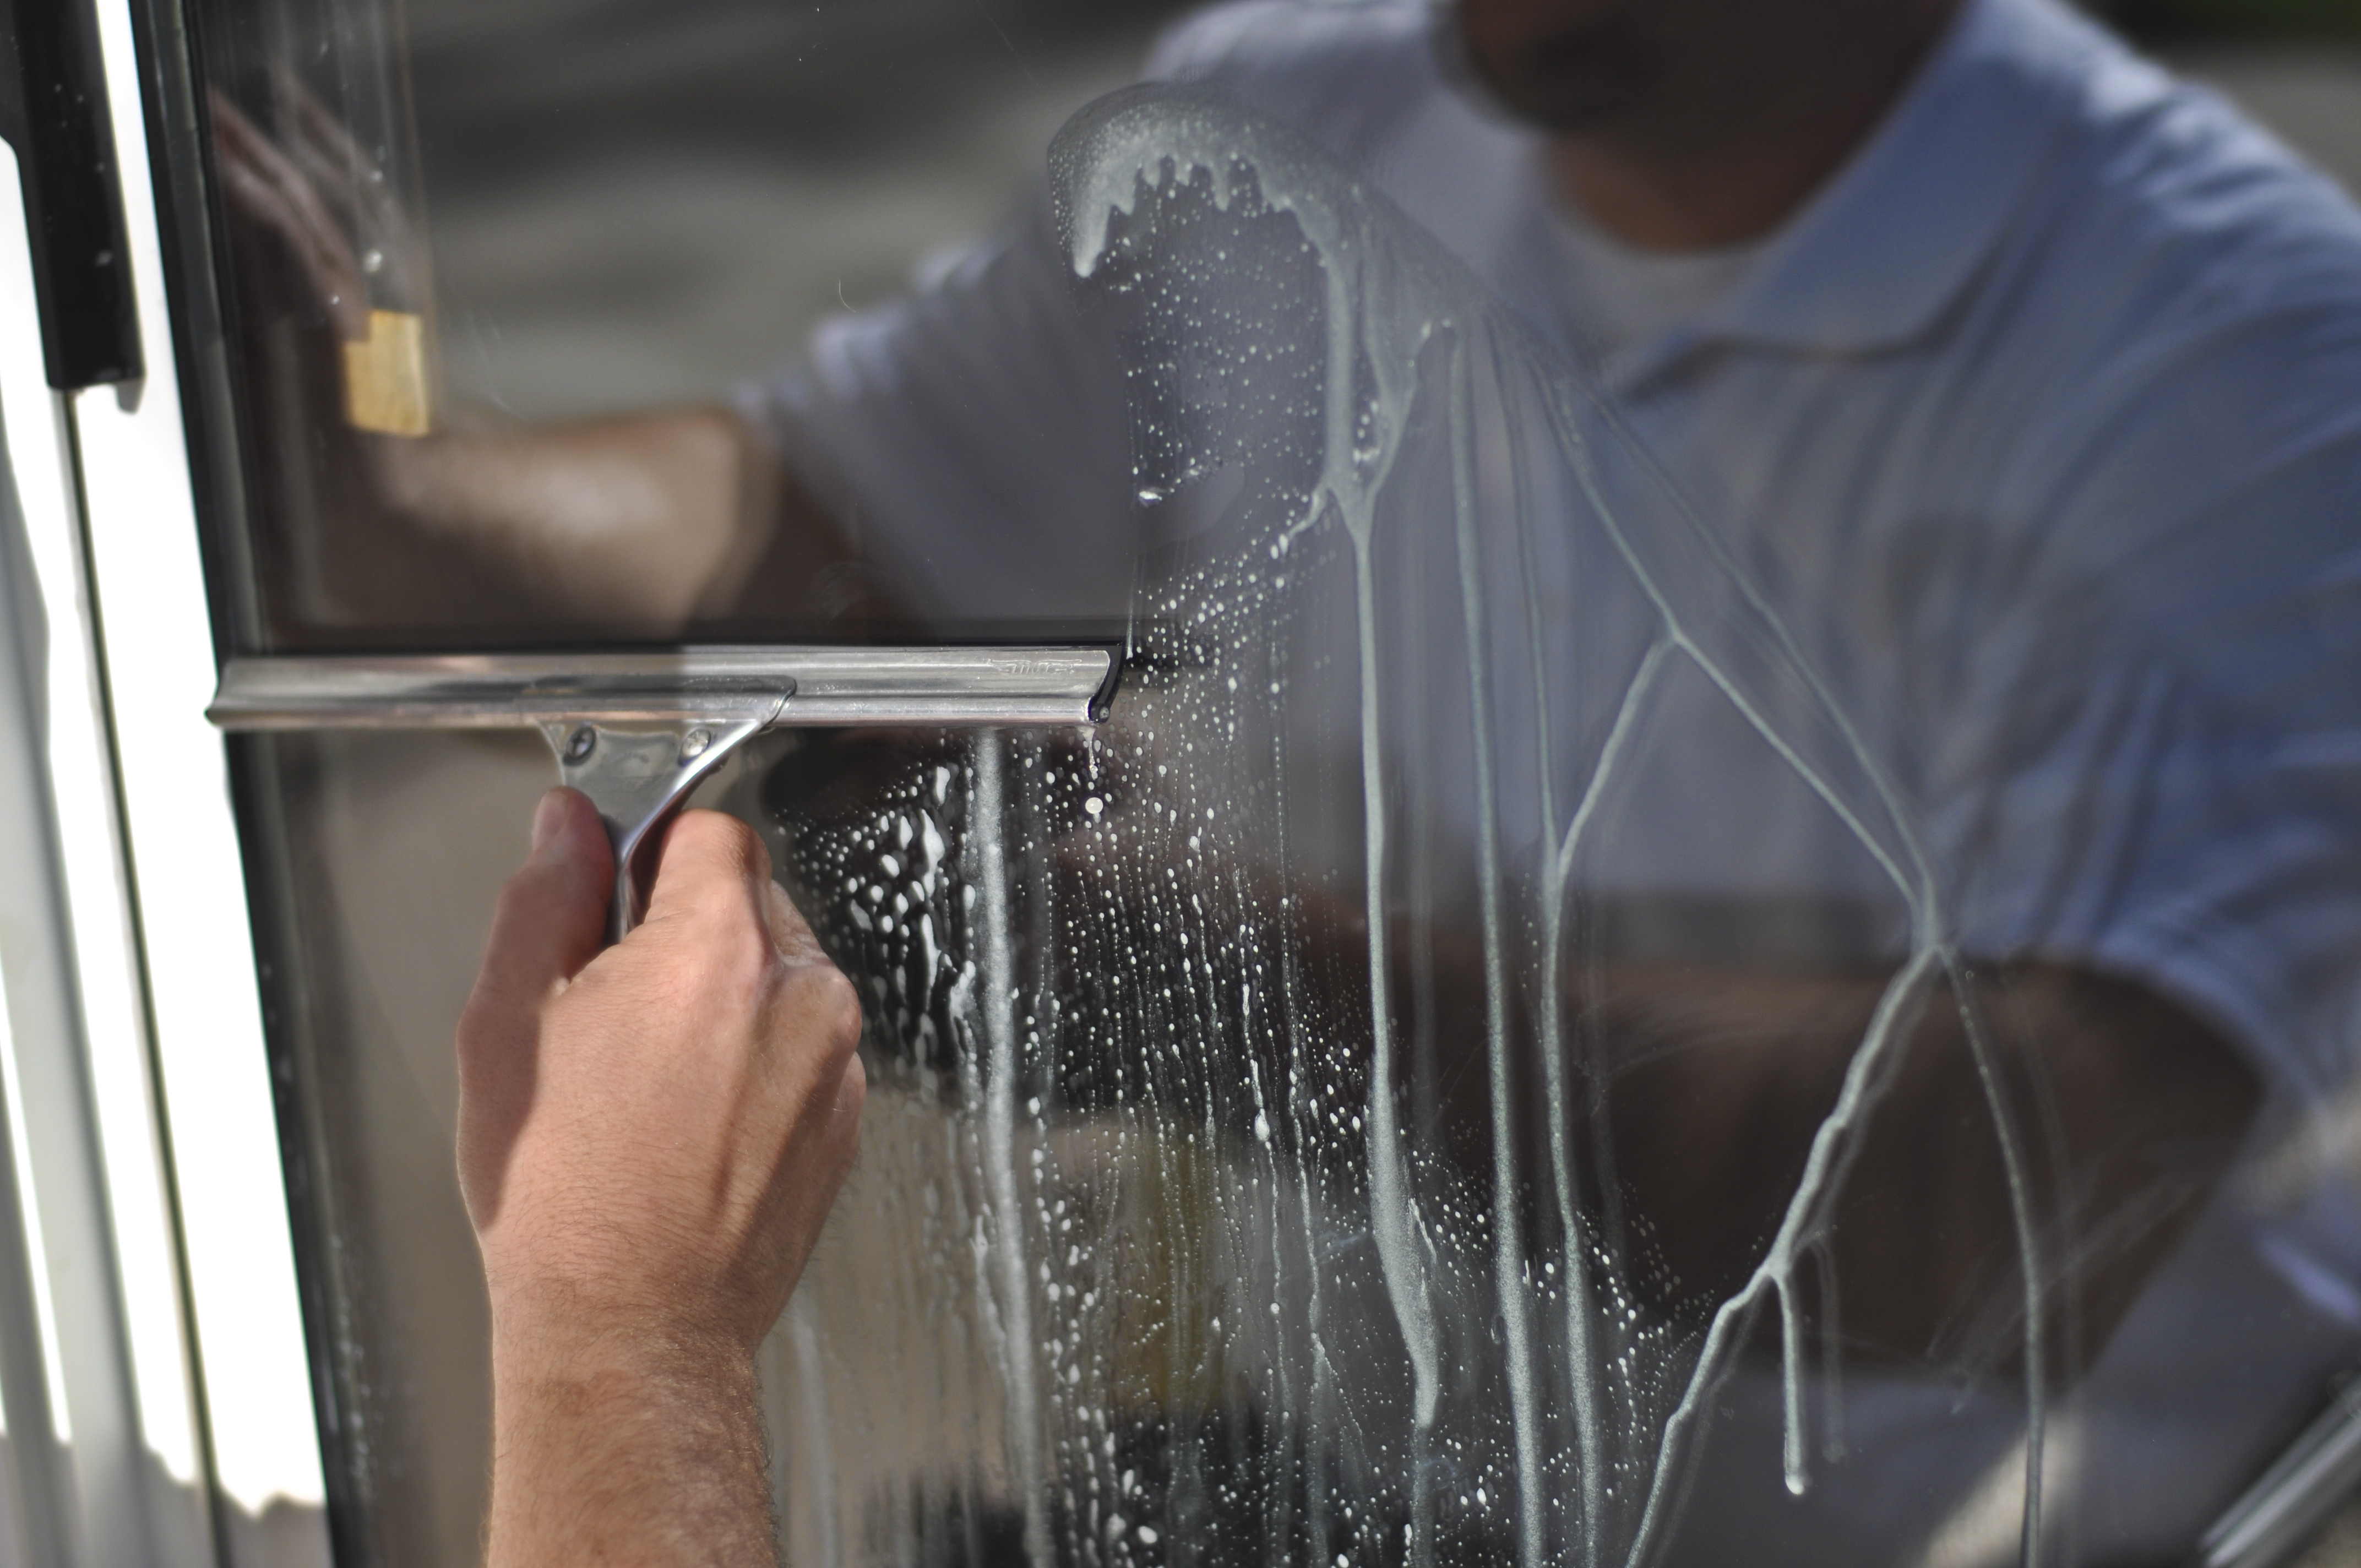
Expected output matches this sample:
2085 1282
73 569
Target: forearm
632 525
625 1450
643 520
2123 1114
1699 1091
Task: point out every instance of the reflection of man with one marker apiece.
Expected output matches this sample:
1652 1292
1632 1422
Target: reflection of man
1968 321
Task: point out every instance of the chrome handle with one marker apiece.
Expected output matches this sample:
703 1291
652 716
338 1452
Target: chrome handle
949 687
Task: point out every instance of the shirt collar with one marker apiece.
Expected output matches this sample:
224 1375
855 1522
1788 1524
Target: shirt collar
1877 254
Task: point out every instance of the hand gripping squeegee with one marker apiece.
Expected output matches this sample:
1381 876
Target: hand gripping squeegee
635 731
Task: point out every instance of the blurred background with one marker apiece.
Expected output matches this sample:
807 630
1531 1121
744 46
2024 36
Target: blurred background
2231 19
636 202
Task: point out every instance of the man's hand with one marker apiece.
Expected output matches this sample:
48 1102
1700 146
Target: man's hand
650 1137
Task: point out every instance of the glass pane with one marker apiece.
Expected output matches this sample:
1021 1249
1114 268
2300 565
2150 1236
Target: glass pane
1718 918
589 260
388 851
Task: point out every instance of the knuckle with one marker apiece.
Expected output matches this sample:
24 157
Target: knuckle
746 956
717 938
789 928
515 895
730 842
829 1000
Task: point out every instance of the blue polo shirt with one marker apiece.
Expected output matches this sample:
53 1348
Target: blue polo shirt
2051 389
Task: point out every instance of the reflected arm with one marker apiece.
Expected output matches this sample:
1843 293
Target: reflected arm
637 523
1695 1090
2124 1112
647 521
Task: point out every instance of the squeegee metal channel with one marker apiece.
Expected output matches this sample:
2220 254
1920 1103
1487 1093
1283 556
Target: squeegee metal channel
796 686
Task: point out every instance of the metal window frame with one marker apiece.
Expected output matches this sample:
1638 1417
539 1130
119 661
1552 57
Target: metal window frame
106 1449
181 895
135 1463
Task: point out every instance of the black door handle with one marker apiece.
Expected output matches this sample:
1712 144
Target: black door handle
53 111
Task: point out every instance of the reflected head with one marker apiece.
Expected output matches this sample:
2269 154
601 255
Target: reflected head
1588 66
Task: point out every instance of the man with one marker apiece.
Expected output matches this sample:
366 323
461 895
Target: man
1956 318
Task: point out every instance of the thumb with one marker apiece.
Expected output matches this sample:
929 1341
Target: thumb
552 915
547 926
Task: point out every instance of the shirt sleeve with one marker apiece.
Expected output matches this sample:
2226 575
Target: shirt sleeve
972 436
2133 759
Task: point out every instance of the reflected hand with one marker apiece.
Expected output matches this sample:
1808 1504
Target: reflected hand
302 298
631 525
281 192
650 1138
315 189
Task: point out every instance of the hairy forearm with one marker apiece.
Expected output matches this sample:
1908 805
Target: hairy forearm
626 1450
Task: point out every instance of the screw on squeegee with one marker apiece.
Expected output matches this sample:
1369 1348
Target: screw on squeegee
578 744
693 744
